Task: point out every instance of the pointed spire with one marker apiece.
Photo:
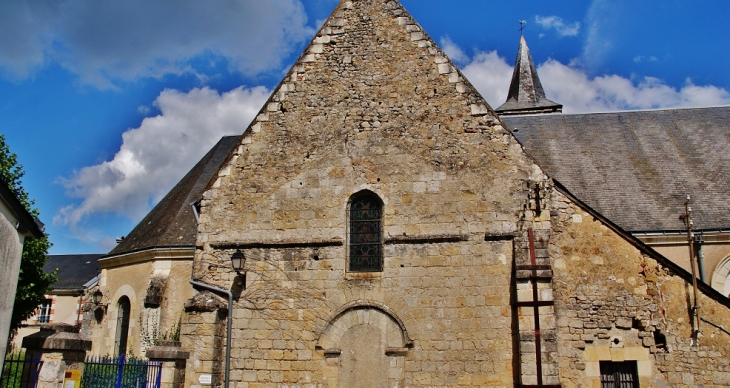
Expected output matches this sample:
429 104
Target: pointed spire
526 95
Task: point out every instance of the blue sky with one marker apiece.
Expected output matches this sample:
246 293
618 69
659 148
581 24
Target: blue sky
109 104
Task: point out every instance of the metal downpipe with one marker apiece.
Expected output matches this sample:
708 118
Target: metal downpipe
229 323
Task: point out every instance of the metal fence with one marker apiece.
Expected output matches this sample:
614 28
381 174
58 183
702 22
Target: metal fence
20 371
120 372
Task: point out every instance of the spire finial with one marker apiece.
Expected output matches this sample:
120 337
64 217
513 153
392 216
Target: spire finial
522 26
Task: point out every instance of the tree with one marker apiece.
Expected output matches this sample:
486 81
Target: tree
33 283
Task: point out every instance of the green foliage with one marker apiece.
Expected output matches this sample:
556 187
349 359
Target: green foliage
175 335
33 283
153 338
11 172
12 376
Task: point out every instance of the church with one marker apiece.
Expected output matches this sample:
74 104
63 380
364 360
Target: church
380 225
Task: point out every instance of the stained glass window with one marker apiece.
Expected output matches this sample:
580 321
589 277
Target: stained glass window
365 234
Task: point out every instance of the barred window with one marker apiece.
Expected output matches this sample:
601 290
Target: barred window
366 213
44 313
619 374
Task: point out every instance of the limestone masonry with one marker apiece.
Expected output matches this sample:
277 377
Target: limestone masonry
490 273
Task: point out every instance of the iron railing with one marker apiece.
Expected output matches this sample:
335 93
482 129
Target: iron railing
121 372
20 371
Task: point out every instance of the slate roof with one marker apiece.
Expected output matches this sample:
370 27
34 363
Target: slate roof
636 167
526 94
73 270
172 222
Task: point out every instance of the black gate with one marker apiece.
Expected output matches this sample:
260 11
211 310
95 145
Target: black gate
20 371
120 372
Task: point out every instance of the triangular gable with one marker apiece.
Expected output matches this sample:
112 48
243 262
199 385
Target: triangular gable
336 32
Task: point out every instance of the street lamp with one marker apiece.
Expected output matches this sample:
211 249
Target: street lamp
238 260
97 297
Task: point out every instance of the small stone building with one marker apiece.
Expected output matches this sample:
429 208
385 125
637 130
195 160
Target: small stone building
396 233
144 280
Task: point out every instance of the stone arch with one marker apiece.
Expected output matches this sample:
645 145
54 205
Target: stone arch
721 276
112 316
121 332
365 343
365 313
365 190
124 290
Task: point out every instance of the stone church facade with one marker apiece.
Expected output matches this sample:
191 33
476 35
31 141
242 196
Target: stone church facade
396 234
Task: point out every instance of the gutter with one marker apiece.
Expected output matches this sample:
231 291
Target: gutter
678 232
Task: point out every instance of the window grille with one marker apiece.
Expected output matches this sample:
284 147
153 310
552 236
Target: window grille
619 374
365 234
44 313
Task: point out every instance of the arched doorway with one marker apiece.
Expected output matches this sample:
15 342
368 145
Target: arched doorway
368 344
123 313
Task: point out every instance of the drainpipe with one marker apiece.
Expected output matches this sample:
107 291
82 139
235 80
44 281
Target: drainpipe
229 323
687 218
699 240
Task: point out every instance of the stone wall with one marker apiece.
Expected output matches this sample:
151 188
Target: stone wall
151 318
374 105
617 303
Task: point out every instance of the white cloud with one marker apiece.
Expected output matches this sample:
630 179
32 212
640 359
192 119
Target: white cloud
108 42
641 58
558 24
453 51
602 20
579 93
491 75
154 156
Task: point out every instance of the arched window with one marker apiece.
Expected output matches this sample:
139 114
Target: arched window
123 312
366 241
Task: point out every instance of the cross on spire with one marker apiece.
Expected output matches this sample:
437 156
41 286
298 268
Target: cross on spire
522 26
